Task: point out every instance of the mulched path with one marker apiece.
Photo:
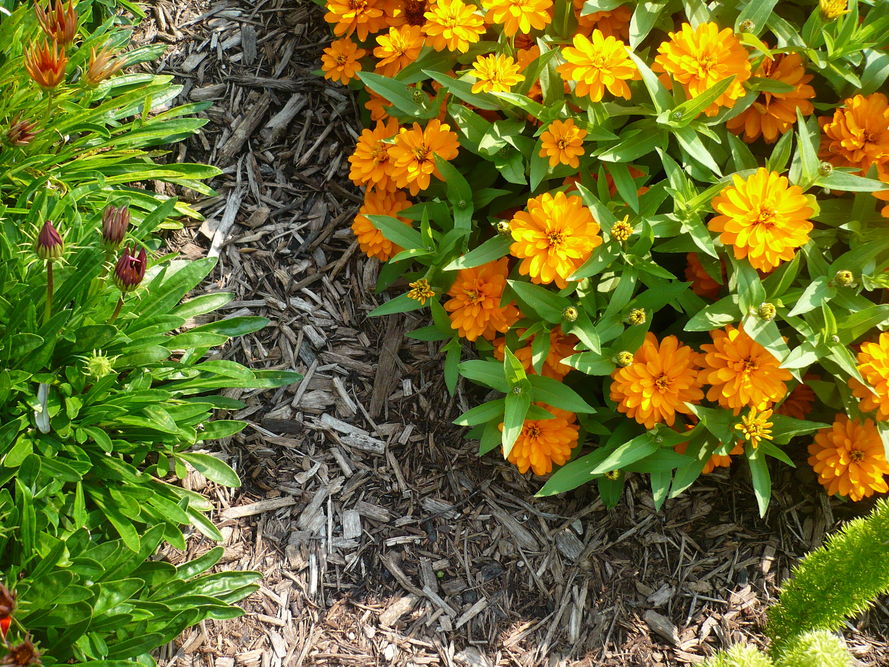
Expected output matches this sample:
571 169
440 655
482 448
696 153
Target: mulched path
382 537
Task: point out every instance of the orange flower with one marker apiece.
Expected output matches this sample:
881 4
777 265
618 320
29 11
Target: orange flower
702 283
339 61
597 63
45 64
414 12
799 403
873 364
495 73
561 346
562 143
715 460
59 23
377 106
741 371
553 237
101 66
613 23
661 380
755 426
397 49
543 442
699 58
421 291
475 301
361 17
370 239
516 16
849 459
414 151
775 113
858 133
453 26
370 160
763 218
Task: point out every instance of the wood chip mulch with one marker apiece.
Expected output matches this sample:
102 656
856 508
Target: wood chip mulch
382 538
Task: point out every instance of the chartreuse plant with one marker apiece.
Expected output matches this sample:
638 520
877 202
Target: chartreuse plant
658 225
108 377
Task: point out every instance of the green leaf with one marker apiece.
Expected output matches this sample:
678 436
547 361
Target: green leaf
590 363
487 373
804 170
397 93
480 414
463 90
634 145
635 450
757 12
489 251
399 232
716 315
786 428
762 482
545 303
818 292
644 19
400 304
686 112
212 468
552 392
847 182
517 402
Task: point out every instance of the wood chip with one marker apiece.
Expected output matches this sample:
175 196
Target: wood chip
662 626
257 507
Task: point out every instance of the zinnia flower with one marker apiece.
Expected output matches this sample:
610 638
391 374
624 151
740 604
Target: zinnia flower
359 16
413 154
59 23
775 113
543 442
833 9
553 237
661 380
702 283
474 305
45 64
516 16
613 23
596 63
763 218
849 458
741 371
397 49
562 143
561 346
858 133
799 403
755 426
453 26
377 106
370 163
420 291
370 239
495 73
339 62
699 58
102 65
873 364
715 460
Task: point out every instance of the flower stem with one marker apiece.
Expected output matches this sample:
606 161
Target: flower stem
117 309
49 291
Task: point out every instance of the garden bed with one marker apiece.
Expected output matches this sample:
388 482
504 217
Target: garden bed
382 537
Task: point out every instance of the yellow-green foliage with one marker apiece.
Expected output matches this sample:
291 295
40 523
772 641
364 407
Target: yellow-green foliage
739 655
818 648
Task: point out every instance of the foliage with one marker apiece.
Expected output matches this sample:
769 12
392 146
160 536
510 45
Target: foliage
659 173
107 378
812 649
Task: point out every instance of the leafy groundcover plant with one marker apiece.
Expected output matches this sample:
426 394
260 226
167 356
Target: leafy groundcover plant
106 380
658 224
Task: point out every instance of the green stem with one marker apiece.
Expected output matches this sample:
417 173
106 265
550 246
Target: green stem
49 291
117 308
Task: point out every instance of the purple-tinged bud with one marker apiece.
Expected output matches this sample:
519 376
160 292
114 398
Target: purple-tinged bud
49 242
115 221
130 269
21 132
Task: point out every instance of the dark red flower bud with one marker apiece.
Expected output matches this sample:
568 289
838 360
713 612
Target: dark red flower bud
21 132
49 242
115 221
130 269
22 655
7 606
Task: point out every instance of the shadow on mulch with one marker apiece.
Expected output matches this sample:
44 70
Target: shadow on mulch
382 537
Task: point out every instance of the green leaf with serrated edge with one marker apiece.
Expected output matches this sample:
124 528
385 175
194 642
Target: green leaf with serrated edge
400 304
399 232
546 303
489 251
487 373
481 414
559 395
762 482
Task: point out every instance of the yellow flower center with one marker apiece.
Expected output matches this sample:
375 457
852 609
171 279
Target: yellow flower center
532 431
562 144
766 216
421 153
555 239
749 365
856 455
341 59
472 295
662 382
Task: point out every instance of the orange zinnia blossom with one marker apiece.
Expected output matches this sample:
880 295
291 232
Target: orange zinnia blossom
377 106
741 372
370 160
699 58
518 16
849 458
596 63
799 403
561 346
715 460
370 239
474 305
495 73
398 48
413 154
361 17
763 218
453 26
702 283
46 64
858 134
543 442
873 364
339 62
562 143
59 23
613 23
775 113
553 237
661 380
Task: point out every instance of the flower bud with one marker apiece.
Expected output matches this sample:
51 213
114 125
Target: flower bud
49 242
98 365
570 314
101 65
844 278
130 269
767 311
21 132
503 227
59 23
746 26
637 316
825 169
46 64
115 221
624 358
613 475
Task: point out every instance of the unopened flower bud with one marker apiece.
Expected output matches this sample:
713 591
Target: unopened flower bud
570 314
49 242
624 358
130 269
46 64
503 227
102 64
622 230
637 316
419 96
767 311
115 221
21 132
7 606
59 23
613 475
825 169
98 365
746 26
844 278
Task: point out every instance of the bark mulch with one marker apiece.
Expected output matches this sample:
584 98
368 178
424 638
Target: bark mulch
383 538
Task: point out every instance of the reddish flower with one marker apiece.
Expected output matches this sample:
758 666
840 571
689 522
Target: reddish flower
50 244
59 22
46 64
130 269
115 221
21 132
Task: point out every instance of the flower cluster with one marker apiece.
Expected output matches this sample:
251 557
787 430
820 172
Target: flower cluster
665 224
